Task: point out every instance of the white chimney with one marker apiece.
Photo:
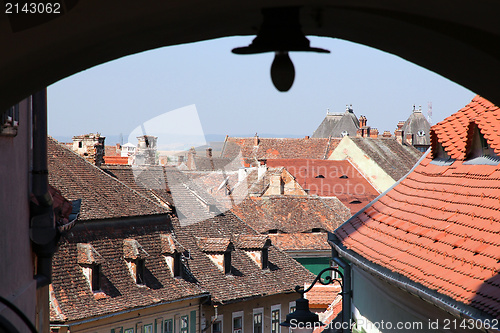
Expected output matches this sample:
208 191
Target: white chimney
261 170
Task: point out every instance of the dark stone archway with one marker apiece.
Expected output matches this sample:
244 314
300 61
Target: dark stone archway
457 39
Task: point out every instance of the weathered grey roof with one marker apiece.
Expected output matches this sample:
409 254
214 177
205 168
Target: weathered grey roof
335 124
418 126
102 195
394 158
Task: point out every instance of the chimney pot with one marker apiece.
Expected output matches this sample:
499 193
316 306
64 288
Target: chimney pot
256 140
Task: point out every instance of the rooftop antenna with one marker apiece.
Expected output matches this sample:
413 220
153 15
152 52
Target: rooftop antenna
429 112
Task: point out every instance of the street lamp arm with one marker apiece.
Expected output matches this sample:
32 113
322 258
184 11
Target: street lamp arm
324 281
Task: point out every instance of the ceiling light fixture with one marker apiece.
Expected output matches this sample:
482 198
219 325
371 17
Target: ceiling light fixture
280 33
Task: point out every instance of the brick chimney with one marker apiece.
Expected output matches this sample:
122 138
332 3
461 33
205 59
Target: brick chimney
362 121
386 134
409 139
307 137
190 160
256 140
91 147
398 133
373 133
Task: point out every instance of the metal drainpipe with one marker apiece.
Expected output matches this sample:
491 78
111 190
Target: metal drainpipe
347 294
43 231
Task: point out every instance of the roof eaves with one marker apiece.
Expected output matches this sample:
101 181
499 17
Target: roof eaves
444 302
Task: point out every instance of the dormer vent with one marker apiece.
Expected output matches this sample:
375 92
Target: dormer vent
172 251
90 261
256 247
135 255
218 249
479 150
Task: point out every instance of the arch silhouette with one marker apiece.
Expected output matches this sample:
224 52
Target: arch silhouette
458 39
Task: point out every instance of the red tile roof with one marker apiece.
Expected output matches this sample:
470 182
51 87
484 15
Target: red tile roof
322 296
439 226
291 214
301 241
483 113
116 160
270 148
332 179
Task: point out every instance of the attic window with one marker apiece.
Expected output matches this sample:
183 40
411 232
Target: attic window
90 261
171 249
227 262
256 247
139 271
273 231
135 256
218 250
344 133
440 156
319 176
355 201
343 177
316 230
92 274
480 151
420 133
265 258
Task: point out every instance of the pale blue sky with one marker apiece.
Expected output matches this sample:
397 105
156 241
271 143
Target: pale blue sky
233 94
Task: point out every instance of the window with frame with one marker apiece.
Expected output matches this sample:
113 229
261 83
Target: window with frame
275 318
257 321
129 330
169 326
148 328
9 121
291 307
184 324
217 326
238 322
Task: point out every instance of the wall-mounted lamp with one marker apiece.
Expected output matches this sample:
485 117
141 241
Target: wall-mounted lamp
280 33
302 320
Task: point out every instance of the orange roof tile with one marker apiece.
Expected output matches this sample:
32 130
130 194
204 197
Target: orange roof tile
331 179
439 226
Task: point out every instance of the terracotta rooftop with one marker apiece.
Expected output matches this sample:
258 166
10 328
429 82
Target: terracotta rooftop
247 279
301 241
72 297
330 178
102 195
291 214
150 181
322 296
256 148
214 244
439 226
